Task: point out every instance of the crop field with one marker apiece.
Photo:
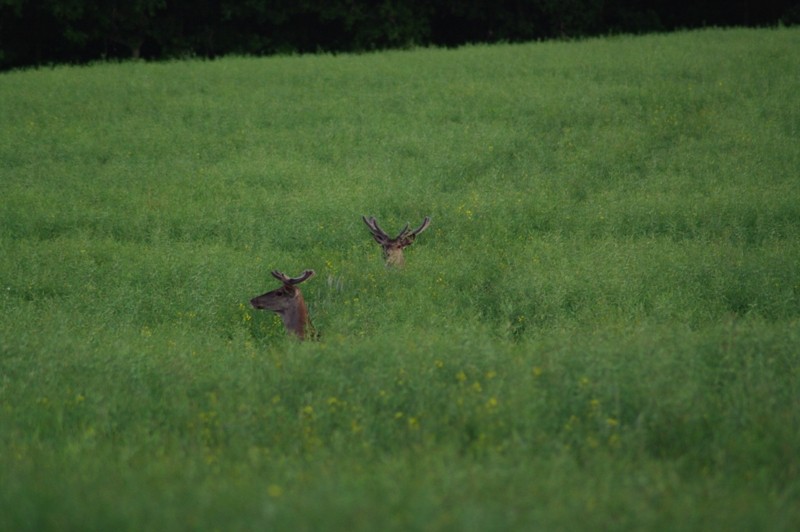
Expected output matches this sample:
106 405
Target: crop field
600 329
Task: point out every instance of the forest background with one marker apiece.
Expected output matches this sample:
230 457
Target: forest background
42 32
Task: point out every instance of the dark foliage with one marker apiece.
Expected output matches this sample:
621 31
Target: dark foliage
36 32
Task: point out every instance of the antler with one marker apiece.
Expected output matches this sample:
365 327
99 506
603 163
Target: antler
413 234
288 302
393 247
282 277
378 234
381 235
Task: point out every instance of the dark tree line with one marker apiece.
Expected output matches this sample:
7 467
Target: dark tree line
36 32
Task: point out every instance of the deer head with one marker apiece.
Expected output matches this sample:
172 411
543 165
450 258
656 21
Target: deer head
288 302
393 247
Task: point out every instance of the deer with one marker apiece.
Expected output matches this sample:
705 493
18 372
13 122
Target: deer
288 302
393 247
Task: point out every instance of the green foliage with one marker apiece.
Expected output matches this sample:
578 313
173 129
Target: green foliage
599 326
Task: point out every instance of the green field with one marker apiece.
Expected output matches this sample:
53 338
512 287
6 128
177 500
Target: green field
601 328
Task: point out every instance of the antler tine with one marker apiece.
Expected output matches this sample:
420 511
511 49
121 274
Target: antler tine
280 276
302 277
372 223
374 228
425 223
403 232
285 279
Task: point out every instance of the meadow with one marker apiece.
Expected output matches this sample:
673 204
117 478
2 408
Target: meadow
600 328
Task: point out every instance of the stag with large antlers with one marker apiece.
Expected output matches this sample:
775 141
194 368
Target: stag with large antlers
393 247
288 302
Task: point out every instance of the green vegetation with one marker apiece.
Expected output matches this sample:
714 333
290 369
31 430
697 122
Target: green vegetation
601 325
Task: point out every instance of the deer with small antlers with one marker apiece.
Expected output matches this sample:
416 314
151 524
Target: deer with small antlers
393 247
288 302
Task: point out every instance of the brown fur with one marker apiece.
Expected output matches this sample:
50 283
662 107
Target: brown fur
288 302
393 247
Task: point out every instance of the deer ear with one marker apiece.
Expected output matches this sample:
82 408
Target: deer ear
407 240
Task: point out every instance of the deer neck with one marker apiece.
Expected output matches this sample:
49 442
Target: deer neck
394 257
295 318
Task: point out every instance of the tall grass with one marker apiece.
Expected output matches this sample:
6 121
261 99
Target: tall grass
600 326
